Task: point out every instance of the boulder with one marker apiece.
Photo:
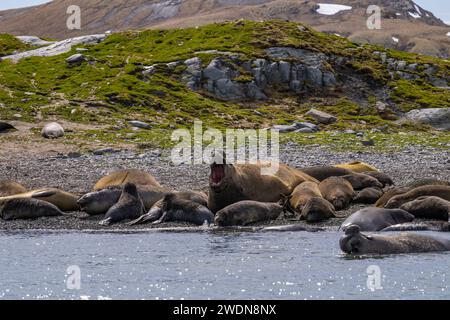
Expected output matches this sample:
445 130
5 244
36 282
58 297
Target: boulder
4 127
438 118
52 130
140 124
321 117
76 58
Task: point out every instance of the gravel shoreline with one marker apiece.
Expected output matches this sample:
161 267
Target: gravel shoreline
79 174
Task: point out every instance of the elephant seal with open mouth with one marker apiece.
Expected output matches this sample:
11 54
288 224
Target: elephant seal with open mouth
27 208
376 219
247 212
65 201
129 206
429 191
176 209
356 243
338 191
231 183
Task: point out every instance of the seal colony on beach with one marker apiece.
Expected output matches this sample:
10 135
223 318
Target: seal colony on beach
241 195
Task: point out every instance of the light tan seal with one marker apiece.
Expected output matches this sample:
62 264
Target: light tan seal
338 191
302 194
247 212
317 209
230 183
357 166
9 188
429 190
65 201
120 178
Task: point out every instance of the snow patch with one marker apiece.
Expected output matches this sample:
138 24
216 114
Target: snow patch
396 40
331 9
417 9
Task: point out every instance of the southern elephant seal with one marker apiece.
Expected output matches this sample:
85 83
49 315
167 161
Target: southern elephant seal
9 188
356 166
246 212
291 228
338 191
65 201
52 130
156 211
428 208
230 183
427 182
356 243
383 178
429 190
376 219
301 195
390 194
368 195
99 202
361 181
129 206
176 209
121 177
317 209
439 226
27 208
321 173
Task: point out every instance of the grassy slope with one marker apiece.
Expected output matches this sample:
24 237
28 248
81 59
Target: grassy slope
112 81
9 44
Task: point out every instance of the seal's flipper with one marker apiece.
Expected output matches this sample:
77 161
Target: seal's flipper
43 194
105 222
162 219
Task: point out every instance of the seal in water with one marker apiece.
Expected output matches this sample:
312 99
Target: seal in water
156 210
390 194
356 243
230 183
120 178
9 188
322 173
317 209
247 212
130 206
360 181
52 130
439 226
368 195
65 201
301 195
176 209
429 190
357 166
428 208
338 191
27 208
99 202
384 179
376 219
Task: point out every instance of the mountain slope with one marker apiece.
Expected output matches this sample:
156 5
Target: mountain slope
405 26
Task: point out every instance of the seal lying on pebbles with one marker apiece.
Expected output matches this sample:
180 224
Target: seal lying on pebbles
291 228
27 208
65 201
427 182
9 188
388 195
439 226
357 166
383 178
230 183
321 173
301 195
428 208
157 211
176 209
429 190
360 181
317 209
52 130
368 195
338 191
129 206
120 178
247 212
356 243
99 202
376 219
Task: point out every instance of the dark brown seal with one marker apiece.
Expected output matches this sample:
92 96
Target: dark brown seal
368 195
428 190
27 208
434 208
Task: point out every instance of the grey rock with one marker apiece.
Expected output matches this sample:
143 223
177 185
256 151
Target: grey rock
368 143
314 75
34 41
140 124
309 125
103 151
305 130
149 70
321 117
76 58
285 71
228 90
52 130
436 117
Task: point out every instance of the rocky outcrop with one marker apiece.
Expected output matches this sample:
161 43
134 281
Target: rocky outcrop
438 118
321 117
34 41
57 48
229 78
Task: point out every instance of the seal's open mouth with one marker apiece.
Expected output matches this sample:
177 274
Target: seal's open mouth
217 174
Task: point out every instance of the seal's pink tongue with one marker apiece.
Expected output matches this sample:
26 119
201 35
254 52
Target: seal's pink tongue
217 173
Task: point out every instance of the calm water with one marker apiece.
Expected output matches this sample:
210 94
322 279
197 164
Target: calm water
207 265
